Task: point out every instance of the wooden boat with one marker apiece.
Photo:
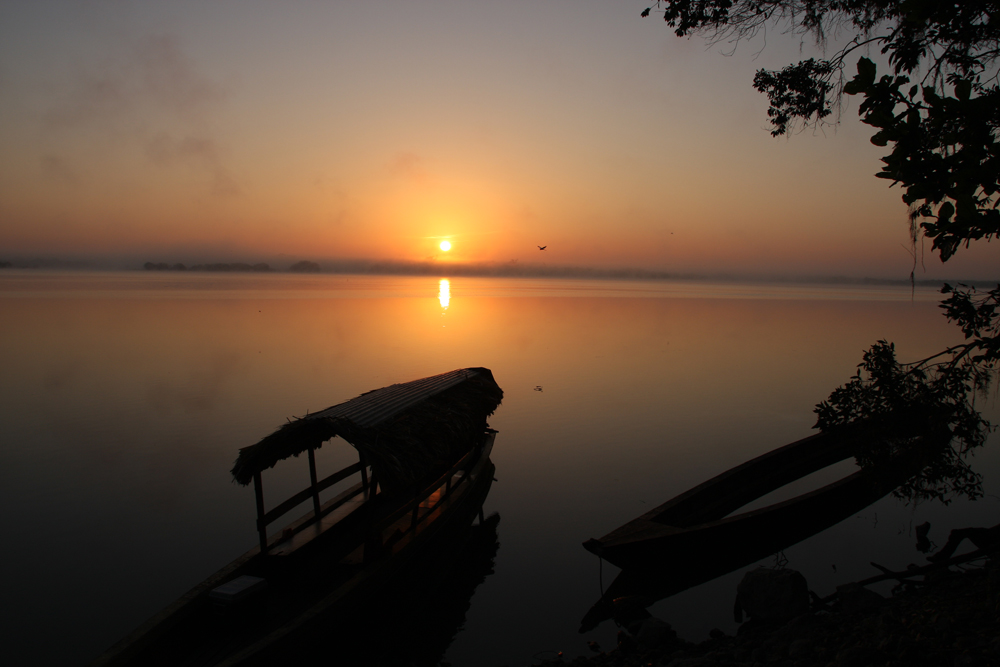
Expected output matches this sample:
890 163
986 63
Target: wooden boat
694 537
423 470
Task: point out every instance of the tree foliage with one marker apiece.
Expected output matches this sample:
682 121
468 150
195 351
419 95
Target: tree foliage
892 408
978 316
944 152
887 405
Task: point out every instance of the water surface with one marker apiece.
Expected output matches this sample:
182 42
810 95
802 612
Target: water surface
127 395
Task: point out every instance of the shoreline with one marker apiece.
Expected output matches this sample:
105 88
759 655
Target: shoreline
503 270
951 617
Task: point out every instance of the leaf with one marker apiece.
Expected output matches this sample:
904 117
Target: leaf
963 88
945 212
645 12
866 71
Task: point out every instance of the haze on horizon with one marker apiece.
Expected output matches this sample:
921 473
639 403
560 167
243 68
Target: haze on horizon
244 131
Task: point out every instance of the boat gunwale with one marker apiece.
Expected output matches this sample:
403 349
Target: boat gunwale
631 534
814 459
670 531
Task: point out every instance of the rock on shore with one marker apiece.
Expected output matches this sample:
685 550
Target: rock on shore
950 620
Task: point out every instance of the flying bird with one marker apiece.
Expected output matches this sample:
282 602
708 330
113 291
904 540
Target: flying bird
542 247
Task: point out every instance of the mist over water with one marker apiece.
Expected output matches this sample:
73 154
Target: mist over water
222 263
127 397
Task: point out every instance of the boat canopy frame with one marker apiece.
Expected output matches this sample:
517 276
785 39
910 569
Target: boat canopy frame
406 433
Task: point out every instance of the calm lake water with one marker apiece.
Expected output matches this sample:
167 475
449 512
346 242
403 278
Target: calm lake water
127 395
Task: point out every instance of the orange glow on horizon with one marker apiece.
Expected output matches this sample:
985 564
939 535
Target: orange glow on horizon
127 147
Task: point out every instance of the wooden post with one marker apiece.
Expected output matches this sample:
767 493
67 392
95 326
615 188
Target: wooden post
312 481
364 472
258 490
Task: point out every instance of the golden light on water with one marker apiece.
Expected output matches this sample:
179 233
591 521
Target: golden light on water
444 292
445 246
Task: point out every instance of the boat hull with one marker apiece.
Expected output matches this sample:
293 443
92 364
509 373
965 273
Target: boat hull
659 559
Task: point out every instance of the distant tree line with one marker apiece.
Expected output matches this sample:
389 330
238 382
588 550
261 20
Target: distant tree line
39 263
218 266
304 267
236 267
163 266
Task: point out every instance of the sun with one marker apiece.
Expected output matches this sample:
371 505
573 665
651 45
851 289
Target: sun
445 246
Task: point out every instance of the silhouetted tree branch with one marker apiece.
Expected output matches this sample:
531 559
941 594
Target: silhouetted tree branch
891 408
894 405
942 127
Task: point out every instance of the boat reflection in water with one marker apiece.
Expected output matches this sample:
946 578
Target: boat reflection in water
415 621
694 538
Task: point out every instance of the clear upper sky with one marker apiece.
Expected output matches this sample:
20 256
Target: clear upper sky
242 129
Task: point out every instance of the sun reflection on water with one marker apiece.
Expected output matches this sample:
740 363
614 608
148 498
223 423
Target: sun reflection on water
444 293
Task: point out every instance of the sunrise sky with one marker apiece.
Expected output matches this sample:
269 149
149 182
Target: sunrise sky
240 130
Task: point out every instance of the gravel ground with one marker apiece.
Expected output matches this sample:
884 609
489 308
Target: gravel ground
952 618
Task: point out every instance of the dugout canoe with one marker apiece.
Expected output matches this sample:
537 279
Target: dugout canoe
696 537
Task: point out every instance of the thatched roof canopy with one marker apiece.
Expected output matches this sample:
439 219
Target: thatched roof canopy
407 431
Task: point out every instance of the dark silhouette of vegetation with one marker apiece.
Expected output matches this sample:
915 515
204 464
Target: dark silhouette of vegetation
163 266
304 267
896 402
236 266
937 107
219 266
895 408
